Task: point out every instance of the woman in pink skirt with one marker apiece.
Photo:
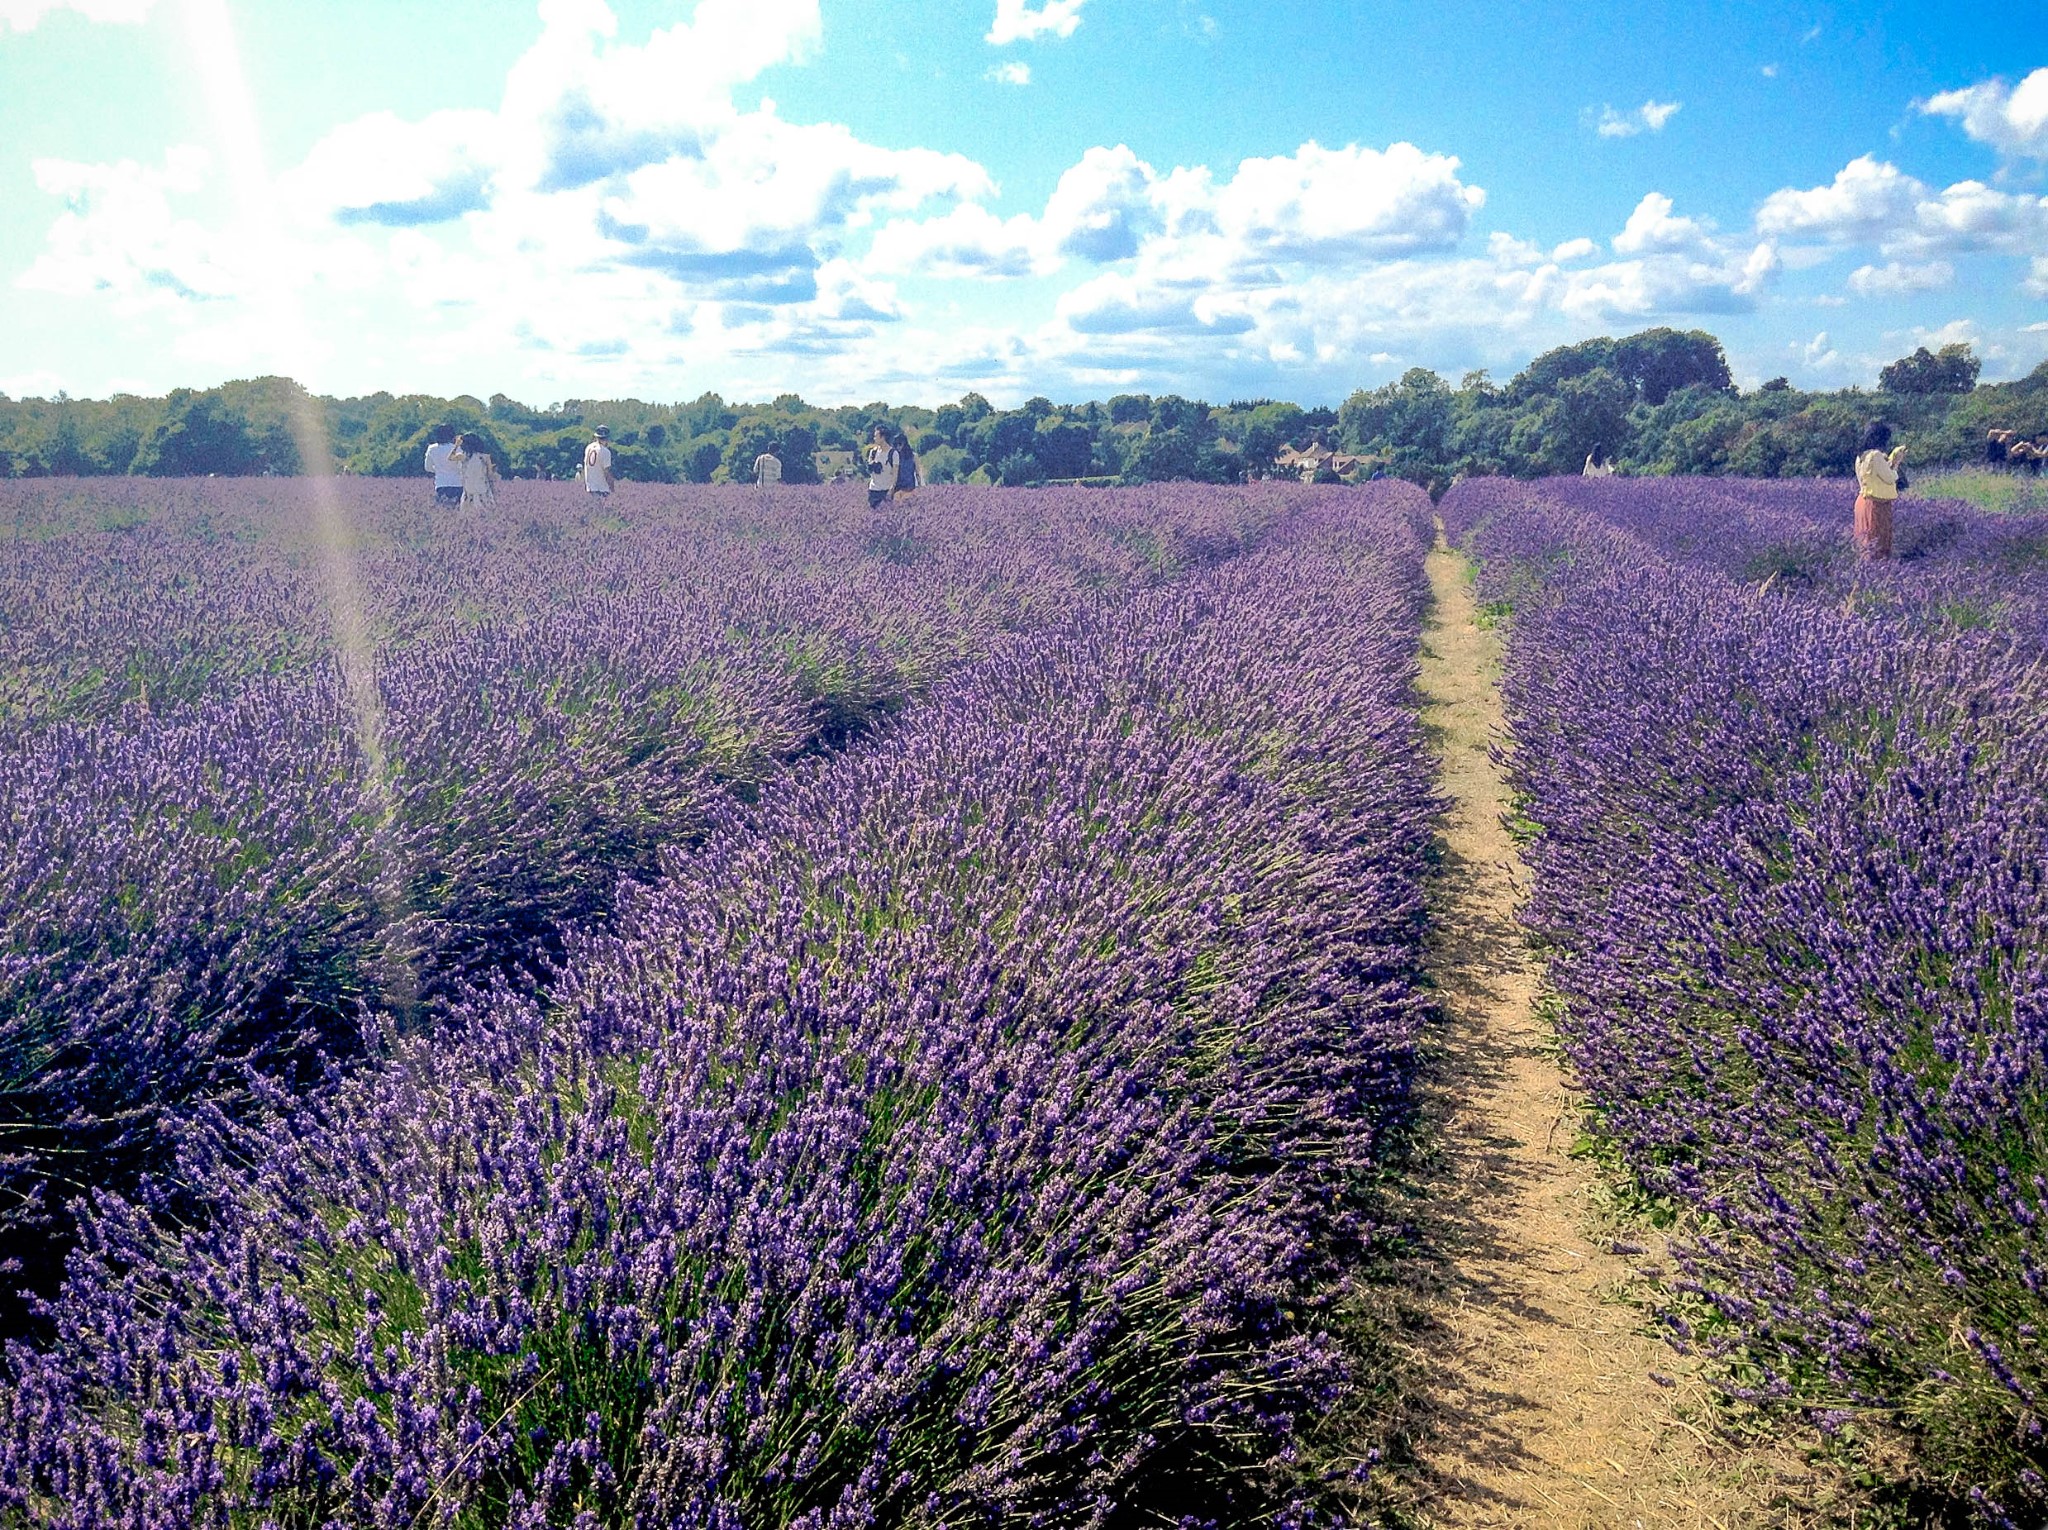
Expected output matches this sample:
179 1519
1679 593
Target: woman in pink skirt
1878 481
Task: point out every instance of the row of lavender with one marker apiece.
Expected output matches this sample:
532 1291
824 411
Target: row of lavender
958 1136
1956 567
1792 872
224 873
114 594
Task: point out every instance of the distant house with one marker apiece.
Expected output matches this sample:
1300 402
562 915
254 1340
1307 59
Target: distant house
1311 461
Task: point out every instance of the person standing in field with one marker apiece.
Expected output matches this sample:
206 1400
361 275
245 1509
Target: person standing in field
767 469
479 472
909 472
1878 481
882 465
442 464
597 463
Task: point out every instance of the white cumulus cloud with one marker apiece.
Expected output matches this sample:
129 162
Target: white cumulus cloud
1650 117
1116 304
617 210
1971 217
1020 20
1872 202
121 236
2011 118
385 170
1015 72
1667 265
1105 206
1867 199
967 241
1351 203
627 216
1900 279
1652 229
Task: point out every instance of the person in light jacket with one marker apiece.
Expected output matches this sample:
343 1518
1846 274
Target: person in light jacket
479 473
1878 481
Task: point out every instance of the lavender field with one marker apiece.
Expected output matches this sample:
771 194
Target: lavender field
740 1010
268 772
1788 816
736 1012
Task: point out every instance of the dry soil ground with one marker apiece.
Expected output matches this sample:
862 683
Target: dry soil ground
1538 1405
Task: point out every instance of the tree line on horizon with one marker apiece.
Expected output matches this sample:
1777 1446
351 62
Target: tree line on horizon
1659 402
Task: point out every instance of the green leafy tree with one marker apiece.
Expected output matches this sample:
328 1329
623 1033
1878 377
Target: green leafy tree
1952 369
945 464
1481 438
1265 429
554 454
996 437
198 434
1163 455
1172 412
1655 363
706 415
1658 400
1659 362
56 451
1063 449
1410 421
1542 377
793 443
1016 470
701 457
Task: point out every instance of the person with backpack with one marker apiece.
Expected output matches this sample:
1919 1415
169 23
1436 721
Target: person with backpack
884 467
909 472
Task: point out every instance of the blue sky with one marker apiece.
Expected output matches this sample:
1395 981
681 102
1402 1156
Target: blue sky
854 201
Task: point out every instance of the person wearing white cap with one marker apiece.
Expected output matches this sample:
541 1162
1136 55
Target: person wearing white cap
597 462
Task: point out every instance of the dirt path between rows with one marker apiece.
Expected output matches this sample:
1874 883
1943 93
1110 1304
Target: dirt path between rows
1539 1406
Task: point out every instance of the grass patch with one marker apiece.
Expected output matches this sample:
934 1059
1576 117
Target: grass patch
1986 488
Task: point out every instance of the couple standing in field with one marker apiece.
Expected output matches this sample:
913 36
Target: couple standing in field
464 473
892 466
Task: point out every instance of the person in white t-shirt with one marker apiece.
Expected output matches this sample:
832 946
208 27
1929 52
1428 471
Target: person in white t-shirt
882 465
445 464
597 463
767 469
